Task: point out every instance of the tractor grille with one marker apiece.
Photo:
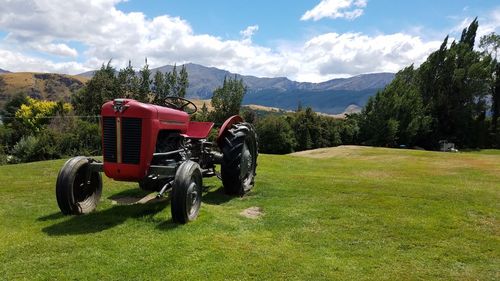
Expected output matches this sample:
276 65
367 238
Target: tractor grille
131 133
131 140
109 138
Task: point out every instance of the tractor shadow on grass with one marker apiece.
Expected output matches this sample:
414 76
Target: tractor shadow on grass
215 196
124 209
102 220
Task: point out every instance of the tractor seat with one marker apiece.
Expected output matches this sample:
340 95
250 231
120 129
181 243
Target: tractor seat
198 130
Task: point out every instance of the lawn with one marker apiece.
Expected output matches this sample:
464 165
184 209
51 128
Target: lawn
351 213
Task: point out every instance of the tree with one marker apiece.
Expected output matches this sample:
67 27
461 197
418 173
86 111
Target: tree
128 82
249 115
11 106
170 84
490 44
453 83
203 114
275 135
160 87
396 115
349 129
495 104
172 78
226 100
145 81
303 124
102 87
183 82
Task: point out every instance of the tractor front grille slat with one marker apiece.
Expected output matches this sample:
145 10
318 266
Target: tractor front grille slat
131 140
109 139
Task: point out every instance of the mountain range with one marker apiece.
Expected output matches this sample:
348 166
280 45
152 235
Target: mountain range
333 96
3 71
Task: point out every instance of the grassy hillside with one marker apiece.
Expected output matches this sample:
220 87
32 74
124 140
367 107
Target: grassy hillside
39 85
348 213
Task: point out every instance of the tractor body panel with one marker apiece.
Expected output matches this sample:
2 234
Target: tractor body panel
198 130
129 132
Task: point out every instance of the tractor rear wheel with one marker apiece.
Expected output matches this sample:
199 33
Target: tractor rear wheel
186 192
75 195
239 161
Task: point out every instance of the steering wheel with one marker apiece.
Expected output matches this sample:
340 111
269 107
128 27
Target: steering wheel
180 104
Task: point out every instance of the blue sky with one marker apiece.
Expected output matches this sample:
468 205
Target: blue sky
280 19
303 40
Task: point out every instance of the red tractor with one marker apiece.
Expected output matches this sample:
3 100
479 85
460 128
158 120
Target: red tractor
161 149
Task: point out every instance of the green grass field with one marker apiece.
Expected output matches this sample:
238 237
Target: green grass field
346 213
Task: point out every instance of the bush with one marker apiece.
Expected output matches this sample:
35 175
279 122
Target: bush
64 136
35 148
75 137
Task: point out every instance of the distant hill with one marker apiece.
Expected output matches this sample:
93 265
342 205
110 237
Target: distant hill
88 74
4 71
39 85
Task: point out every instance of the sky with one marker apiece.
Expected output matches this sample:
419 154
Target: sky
304 40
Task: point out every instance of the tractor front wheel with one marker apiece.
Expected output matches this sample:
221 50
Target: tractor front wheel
186 192
78 189
239 161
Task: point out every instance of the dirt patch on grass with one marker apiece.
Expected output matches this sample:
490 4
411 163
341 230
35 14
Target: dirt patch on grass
252 213
130 200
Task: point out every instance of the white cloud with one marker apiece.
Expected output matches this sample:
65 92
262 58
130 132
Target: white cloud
61 50
348 9
491 23
108 33
339 55
248 32
15 61
487 24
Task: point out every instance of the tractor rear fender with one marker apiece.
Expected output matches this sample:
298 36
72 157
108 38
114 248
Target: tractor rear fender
226 126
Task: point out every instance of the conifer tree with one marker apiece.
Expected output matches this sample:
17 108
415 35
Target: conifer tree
183 82
142 94
226 100
129 82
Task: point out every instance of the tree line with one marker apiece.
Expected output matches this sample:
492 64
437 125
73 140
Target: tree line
108 84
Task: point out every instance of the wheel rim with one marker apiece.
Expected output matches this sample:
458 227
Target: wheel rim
83 191
246 164
193 200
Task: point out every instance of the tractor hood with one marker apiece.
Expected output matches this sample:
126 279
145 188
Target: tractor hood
133 108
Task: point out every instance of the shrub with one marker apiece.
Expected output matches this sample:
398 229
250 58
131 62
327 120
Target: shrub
3 156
